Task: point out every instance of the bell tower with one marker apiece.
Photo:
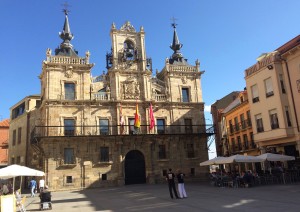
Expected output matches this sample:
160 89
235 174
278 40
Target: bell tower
128 67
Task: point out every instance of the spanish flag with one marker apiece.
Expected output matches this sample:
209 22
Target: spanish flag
137 121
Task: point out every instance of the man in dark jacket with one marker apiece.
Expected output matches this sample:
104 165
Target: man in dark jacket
170 177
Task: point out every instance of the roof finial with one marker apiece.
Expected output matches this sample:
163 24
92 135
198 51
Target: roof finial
173 24
66 48
65 10
176 45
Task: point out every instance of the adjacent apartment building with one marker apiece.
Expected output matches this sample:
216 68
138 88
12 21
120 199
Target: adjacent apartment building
216 112
273 86
125 126
237 133
4 133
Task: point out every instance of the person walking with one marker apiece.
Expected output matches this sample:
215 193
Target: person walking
41 184
170 177
32 187
181 189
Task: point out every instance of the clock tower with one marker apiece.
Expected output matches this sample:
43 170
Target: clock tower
128 67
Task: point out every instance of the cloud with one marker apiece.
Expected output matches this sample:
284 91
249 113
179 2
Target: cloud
207 108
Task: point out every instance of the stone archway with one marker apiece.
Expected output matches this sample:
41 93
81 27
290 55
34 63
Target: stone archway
135 172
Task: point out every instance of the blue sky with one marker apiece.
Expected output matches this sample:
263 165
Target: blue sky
226 36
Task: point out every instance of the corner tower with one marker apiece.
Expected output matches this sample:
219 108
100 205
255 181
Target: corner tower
65 79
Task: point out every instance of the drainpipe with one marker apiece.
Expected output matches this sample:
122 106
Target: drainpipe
290 85
27 140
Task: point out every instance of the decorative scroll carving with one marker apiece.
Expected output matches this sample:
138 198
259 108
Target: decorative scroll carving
131 89
69 72
127 27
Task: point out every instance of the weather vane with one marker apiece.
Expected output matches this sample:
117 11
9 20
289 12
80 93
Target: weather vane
173 22
65 10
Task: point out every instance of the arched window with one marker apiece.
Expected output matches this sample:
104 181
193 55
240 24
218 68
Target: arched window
129 49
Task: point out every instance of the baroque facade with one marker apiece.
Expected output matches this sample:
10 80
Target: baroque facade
82 133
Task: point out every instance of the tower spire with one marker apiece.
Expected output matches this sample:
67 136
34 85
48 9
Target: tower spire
176 45
66 48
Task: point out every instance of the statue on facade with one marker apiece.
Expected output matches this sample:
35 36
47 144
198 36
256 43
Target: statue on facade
48 52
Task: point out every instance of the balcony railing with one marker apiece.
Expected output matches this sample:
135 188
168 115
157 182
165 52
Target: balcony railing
240 126
70 131
102 96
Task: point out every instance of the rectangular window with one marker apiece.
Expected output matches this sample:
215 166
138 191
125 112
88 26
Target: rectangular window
69 127
273 119
69 156
192 171
69 179
190 150
185 95
246 144
18 160
18 111
282 83
298 85
259 123
104 176
131 126
236 124
162 152
69 91
287 114
188 126
254 90
19 135
232 144
269 87
160 123
252 140
104 126
12 160
104 154
14 137
243 122
239 143
249 119
164 172
231 127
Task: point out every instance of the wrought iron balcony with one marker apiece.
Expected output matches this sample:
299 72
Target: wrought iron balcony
240 126
70 131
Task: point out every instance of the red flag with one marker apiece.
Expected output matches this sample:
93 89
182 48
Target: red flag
137 121
151 118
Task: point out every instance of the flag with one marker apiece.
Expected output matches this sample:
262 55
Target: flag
122 121
151 118
137 121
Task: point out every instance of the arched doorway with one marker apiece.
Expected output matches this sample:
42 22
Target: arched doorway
135 168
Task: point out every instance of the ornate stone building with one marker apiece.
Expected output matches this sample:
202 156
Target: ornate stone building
84 132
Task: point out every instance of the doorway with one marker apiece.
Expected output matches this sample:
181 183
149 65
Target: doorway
135 172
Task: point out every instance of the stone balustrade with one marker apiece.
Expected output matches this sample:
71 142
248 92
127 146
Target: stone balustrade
66 60
160 97
102 96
